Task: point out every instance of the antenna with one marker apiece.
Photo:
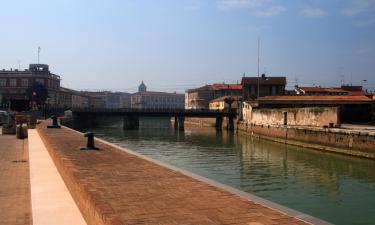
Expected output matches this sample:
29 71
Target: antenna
258 67
19 64
38 53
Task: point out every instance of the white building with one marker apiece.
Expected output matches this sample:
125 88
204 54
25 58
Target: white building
144 99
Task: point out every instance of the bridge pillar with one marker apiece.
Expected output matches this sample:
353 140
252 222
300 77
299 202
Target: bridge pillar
230 125
180 123
219 123
130 122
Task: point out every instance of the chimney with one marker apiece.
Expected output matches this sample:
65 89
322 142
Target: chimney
263 76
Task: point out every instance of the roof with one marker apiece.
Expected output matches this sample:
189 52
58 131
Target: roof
320 89
226 86
309 98
264 80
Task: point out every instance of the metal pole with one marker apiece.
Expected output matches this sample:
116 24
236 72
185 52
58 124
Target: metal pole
258 68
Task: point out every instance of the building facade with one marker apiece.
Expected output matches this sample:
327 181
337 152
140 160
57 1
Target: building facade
268 86
200 98
111 100
144 99
14 83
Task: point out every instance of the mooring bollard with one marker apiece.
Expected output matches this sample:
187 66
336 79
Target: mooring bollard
90 141
54 122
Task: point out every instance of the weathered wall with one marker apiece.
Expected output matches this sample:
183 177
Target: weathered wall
312 116
330 139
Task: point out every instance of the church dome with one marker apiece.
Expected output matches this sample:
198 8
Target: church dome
142 87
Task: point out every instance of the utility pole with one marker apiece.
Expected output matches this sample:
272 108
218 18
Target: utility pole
258 67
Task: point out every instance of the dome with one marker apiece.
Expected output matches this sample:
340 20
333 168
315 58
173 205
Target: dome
142 87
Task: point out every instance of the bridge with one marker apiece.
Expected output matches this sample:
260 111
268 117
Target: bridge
87 117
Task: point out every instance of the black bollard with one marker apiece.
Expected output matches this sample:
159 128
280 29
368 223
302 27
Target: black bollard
54 122
90 142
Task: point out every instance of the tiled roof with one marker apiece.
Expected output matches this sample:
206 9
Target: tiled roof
264 80
226 86
310 98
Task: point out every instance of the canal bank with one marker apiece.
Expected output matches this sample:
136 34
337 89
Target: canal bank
359 143
117 186
347 141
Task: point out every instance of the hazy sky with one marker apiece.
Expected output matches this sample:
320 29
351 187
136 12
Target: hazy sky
176 44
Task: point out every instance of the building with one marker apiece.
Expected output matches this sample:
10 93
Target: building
320 91
222 103
111 100
14 83
352 108
144 99
200 98
69 99
267 86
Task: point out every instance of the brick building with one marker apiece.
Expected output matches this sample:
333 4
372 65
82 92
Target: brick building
267 86
14 83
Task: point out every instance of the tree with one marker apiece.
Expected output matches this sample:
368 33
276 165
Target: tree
37 93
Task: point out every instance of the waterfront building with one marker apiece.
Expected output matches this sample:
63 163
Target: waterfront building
222 103
352 108
14 83
144 99
69 98
267 86
111 100
199 98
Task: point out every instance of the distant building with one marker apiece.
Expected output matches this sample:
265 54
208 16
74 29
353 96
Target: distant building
144 99
267 86
222 103
111 100
14 83
199 98
69 99
320 91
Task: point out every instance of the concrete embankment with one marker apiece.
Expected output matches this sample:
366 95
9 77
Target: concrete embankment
342 141
117 186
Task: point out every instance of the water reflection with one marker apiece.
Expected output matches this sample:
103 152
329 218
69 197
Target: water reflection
337 188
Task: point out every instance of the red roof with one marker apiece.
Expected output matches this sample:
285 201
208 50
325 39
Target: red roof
226 86
309 98
263 80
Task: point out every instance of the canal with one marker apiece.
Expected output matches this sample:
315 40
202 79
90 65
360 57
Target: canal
339 189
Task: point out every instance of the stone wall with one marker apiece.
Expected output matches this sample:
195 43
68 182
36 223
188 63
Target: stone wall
348 142
309 116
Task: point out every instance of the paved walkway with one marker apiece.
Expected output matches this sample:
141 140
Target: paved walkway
52 203
15 207
117 187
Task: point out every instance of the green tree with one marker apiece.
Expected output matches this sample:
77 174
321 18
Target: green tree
37 93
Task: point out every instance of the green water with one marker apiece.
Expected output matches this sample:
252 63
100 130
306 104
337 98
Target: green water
335 188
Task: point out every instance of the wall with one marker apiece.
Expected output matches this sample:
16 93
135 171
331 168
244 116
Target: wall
312 116
341 141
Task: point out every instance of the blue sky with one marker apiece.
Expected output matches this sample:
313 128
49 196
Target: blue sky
177 44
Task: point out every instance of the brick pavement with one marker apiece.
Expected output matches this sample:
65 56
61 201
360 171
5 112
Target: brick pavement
114 187
15 207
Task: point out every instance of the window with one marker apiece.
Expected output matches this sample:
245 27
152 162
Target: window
273 91
13 82
3 82
25 82
40 81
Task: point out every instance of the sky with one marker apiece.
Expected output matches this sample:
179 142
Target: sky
173 45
